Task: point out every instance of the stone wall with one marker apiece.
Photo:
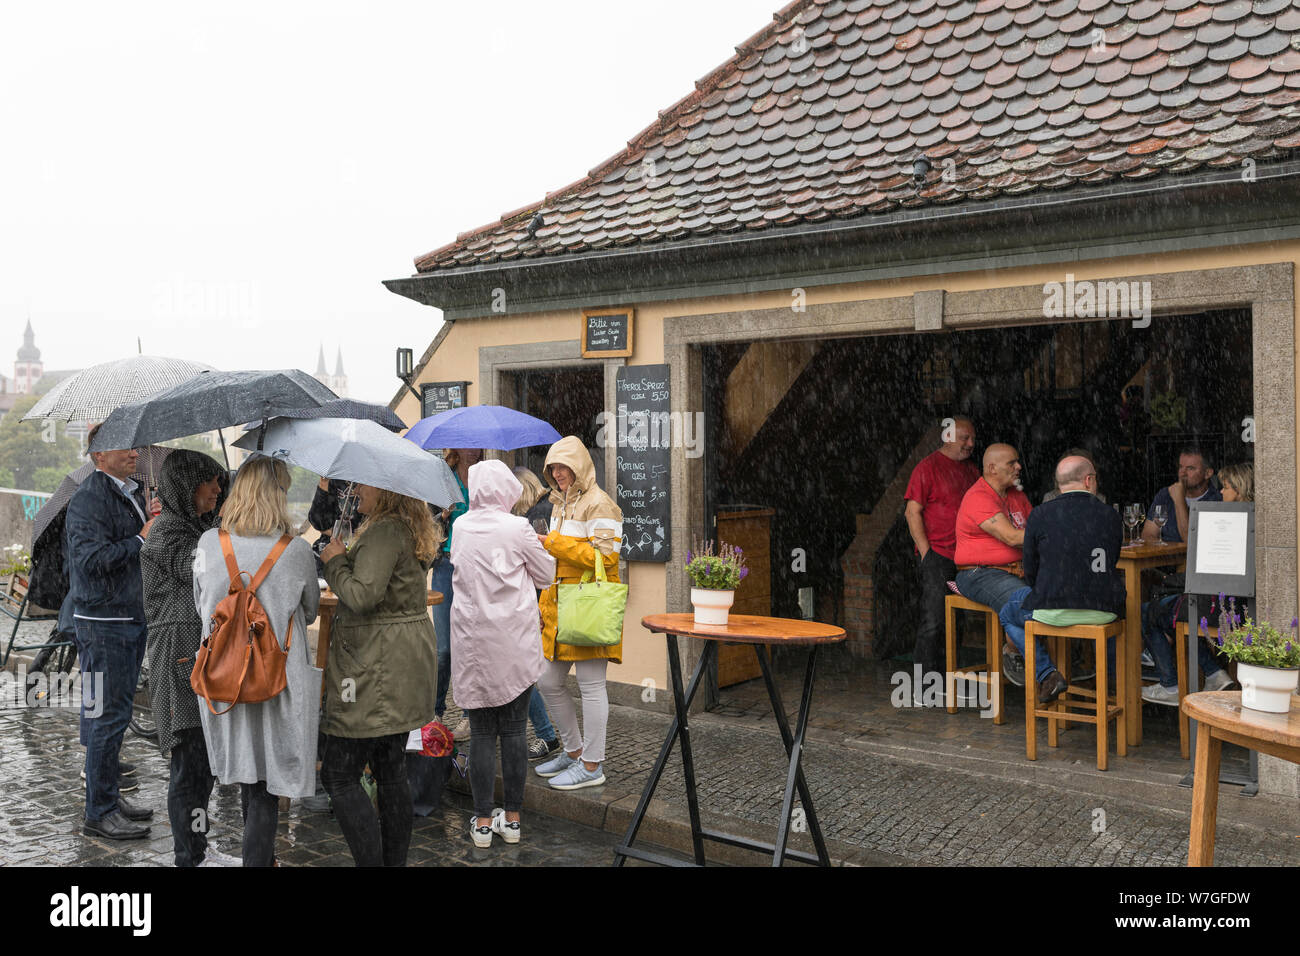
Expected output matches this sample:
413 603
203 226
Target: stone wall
17 509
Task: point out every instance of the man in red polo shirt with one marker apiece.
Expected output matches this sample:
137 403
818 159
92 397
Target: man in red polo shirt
991 531
934 494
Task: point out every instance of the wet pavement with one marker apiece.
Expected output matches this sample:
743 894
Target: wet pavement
43 800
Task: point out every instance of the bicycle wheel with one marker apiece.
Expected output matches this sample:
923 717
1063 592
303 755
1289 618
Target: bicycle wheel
142 723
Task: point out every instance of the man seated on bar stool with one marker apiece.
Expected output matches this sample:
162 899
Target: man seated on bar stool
1071 554
991 531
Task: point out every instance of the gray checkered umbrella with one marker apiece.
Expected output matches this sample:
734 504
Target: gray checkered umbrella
209 400
93 393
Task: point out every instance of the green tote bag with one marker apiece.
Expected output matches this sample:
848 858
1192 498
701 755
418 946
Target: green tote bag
590 614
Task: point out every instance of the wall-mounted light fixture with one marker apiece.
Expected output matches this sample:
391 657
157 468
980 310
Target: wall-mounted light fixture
405 367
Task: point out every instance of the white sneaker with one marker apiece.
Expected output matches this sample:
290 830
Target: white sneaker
214 857
578 776
1219 680
481 831
1159 694
461 733
509 831
557 765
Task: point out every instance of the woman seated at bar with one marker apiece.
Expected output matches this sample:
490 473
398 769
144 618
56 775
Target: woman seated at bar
1158 616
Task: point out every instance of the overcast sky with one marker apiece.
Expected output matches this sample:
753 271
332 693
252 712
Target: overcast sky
230 183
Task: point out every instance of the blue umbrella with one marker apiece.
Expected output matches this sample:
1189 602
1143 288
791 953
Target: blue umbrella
482 426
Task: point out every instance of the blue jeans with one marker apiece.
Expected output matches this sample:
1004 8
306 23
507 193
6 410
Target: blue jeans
1013 619
1157 636
441 582
541 721
990 586
67 626
115 649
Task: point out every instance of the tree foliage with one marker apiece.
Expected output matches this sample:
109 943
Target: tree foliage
27 447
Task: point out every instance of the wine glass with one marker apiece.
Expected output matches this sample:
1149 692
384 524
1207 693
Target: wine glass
1131 513
541 526
1159 516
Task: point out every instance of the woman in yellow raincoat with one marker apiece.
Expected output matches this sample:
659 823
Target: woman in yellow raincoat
586 526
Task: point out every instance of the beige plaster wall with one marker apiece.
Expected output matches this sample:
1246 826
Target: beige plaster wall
645 657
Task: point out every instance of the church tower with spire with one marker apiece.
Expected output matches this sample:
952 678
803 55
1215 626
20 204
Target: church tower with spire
28 367
338 382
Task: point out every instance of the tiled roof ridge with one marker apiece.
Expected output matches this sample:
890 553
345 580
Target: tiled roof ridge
703 87
819 115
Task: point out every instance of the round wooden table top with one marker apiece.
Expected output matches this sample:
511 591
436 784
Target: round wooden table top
329 599
747 629
1222 708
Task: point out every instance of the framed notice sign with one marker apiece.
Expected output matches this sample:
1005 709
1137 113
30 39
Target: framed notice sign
1221 548
438 397
606 333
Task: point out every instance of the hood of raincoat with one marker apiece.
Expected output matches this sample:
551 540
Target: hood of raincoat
181 474
570 452
492 485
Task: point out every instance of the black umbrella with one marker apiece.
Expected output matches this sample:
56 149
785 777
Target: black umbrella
346 408
210 400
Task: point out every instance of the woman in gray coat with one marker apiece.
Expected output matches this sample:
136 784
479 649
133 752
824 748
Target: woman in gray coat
268 748
189 487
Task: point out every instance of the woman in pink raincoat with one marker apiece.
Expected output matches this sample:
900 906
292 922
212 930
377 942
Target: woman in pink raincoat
496 640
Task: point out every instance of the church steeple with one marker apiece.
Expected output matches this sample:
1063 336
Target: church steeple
320 362
28 368
29 352
338 364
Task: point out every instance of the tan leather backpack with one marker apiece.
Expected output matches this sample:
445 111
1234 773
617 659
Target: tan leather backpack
240 660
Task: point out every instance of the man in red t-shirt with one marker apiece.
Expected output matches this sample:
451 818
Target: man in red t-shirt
991 531
934 494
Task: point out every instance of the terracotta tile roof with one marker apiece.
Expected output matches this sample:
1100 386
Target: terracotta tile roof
822 114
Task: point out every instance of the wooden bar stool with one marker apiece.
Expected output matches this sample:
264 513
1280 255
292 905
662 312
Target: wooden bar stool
993 638
1181 650
1080 704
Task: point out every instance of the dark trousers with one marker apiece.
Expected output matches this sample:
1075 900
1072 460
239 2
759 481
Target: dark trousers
935 572
374 840
114 652
261 816
188 790
509 722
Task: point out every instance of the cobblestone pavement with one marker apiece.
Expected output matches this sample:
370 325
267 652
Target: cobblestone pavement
42 802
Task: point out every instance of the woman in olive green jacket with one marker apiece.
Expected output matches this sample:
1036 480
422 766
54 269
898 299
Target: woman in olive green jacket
381 672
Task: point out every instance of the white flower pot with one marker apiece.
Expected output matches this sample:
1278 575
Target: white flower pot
711 607
1267 688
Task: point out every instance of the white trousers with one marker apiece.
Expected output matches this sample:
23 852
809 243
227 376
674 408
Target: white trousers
564 715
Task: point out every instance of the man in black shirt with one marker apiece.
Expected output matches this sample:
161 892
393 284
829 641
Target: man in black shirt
1072 547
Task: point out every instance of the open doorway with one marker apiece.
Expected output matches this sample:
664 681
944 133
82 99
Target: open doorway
570 398
825 432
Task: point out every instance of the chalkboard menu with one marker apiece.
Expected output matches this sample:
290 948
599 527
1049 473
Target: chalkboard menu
644 442
438 397
607 333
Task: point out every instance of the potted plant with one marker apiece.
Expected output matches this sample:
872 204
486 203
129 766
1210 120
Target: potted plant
1268 663
15 565
714 579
